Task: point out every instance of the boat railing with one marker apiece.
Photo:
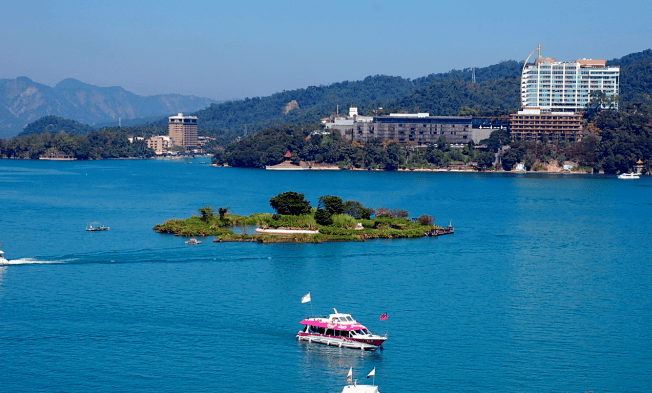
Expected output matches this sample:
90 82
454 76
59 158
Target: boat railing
316 316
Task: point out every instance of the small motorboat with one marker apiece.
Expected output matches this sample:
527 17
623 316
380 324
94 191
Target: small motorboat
353 386
96 227
629 176
193 241
340 330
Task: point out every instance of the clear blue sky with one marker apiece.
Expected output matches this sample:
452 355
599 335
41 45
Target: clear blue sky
236 49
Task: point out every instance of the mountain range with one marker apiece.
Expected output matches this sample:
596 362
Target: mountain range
23 101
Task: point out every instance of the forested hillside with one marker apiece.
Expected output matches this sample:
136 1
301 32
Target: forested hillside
635 78
447 97
369 94
55 125
496 91
93 146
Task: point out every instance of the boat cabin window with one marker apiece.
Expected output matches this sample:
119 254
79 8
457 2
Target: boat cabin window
349 319
330 332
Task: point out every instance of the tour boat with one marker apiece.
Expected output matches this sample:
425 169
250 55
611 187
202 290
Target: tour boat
193 241
629 176
95 227
339 330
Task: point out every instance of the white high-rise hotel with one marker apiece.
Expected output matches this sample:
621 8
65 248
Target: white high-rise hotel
566 86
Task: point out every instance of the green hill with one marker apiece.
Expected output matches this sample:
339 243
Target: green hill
308 105
54 125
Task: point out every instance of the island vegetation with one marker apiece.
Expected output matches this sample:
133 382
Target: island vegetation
332 220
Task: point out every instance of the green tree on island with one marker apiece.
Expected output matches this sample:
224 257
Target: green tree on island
357 210
328 206
290 203
323 218
332 204
207 213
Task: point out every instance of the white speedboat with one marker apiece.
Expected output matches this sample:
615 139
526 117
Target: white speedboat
193 241
353 386
339 330
629 176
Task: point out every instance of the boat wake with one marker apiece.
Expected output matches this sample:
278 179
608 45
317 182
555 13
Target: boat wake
27 261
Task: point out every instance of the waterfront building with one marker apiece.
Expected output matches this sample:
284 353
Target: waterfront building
183 131
534 124
159 143
415 128
567 86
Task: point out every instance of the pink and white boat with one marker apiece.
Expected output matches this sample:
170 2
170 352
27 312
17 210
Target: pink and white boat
339 330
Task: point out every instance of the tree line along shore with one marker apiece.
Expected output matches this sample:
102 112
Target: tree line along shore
297 222
614 142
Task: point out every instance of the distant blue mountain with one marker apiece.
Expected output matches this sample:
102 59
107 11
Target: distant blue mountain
23 101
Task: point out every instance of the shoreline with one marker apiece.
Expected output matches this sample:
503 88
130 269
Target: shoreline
441 170
336 168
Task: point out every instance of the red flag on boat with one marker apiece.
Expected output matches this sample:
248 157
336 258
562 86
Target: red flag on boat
383 317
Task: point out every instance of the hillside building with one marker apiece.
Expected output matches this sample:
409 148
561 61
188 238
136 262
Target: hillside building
183 131
159 143
415 128
567 86
535 124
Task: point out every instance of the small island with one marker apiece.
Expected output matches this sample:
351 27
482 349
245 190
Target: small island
297 222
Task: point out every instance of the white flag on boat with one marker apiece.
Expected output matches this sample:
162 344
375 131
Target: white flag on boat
349 376
372 373
306 298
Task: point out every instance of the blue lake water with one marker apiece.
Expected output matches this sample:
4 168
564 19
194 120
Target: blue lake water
546 286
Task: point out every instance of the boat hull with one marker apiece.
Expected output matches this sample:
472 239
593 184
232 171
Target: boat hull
364 344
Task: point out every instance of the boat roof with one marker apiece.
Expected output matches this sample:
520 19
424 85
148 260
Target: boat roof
336 326
337 321
360 389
